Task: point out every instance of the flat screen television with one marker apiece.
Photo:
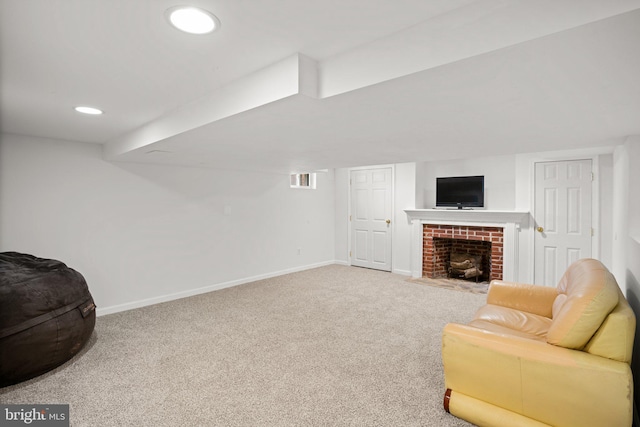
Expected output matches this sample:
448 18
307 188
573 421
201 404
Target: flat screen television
460 192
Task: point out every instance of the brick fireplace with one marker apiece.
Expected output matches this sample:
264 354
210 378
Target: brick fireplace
469 229
440 240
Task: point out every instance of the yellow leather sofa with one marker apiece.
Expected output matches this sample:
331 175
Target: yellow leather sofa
541 356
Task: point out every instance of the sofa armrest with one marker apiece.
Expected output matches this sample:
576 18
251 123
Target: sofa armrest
533 299
554 385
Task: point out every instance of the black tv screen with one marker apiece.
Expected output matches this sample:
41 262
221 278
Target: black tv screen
460 192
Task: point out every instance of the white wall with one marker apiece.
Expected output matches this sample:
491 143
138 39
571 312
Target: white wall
633 148
620 213
341 235
404 198
626 217
605 193
142 234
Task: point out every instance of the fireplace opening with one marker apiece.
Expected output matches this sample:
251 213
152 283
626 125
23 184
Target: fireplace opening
466 252
466 266
462 259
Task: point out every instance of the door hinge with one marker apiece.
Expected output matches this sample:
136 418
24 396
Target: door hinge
349 217
349 254
593 177
593 232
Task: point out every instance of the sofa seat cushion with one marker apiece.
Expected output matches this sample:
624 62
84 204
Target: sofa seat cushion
510 321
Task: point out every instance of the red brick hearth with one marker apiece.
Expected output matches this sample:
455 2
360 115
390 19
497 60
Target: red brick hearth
438 241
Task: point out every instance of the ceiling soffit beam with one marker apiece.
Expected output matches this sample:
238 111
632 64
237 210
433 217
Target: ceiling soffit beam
295 75
472 30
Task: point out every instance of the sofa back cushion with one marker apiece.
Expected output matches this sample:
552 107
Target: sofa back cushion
588 292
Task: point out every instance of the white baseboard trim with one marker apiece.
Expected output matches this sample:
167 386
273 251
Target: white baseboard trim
402 272
341 262
191 292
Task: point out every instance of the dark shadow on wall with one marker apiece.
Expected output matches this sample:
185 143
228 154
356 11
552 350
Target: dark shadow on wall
632 276
633 296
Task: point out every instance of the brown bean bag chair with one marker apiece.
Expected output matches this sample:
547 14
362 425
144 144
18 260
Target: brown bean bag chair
46 315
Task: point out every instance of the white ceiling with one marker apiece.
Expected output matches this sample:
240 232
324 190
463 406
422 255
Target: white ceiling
290 85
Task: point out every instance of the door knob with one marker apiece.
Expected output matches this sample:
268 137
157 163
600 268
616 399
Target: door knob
540 229
388 221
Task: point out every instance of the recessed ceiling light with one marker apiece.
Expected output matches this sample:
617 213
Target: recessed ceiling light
88 110
192 20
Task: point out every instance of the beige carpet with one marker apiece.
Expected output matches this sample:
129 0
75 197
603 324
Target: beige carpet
331 346
454 284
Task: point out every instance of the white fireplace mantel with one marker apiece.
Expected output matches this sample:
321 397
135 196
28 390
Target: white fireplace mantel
511 221
468 217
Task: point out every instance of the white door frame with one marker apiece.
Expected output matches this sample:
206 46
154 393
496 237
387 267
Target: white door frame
393 210
595 200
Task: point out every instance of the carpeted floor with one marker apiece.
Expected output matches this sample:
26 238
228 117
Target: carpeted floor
454 284
331 346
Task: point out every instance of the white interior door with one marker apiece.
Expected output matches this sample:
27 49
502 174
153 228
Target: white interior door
562 217
371 204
